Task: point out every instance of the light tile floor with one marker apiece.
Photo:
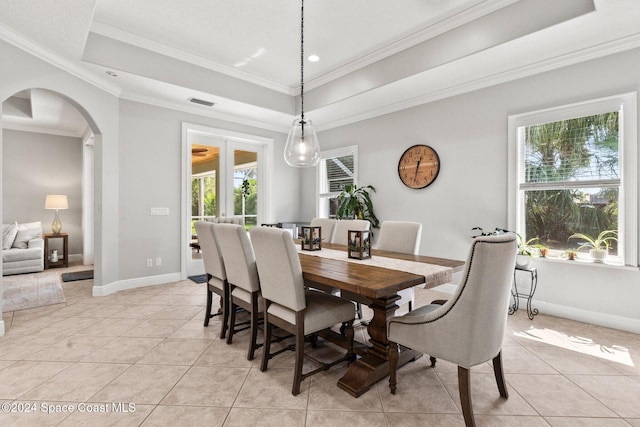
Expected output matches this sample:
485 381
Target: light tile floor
142 357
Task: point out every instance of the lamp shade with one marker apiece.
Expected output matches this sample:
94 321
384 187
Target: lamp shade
56 201
302 148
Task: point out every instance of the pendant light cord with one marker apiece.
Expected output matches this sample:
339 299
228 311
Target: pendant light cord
302 62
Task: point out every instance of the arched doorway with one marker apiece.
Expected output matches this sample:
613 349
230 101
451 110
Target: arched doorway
48 142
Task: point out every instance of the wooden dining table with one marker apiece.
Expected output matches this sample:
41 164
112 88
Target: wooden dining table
377 287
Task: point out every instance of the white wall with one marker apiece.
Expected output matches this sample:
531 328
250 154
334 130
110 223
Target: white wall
37 164
469 132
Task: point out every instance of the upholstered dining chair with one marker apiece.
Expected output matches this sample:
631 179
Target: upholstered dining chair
216 274
327 225
467 329
289 306
242 275
402 237
341 232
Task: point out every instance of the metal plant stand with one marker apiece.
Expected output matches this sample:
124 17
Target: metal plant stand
529 296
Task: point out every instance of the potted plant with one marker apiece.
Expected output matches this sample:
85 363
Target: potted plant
544 251
355 202
599 245
569 254
526 250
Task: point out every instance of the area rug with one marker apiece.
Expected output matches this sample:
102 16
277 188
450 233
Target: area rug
77 275
202 278
24 291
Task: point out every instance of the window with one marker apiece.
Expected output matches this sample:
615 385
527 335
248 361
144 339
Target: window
574 171
203 196
245 191
337 168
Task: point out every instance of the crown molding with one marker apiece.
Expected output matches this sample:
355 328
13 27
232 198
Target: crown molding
21 42
144 99
427 31
144 43
583 55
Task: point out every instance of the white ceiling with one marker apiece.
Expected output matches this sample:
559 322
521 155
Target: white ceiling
377 56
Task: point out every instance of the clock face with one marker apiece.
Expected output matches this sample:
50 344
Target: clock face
418 166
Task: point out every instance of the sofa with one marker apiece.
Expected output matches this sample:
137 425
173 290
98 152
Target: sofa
22 248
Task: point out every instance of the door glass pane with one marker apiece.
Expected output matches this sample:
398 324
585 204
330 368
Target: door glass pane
205 168
245 186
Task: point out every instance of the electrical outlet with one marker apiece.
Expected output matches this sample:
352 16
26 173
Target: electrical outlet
149 262
158 211
158 261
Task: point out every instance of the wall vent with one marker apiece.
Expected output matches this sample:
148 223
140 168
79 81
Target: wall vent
201 102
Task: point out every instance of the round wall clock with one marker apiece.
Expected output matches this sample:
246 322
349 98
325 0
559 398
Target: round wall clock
418 166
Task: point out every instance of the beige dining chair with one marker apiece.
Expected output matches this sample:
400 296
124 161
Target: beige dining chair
242 275
292 308
341 232
401 237
327 226
216 274
468 329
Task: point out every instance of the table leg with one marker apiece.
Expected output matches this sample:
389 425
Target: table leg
374 364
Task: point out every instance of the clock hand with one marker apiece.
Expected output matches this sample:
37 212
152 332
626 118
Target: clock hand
415 176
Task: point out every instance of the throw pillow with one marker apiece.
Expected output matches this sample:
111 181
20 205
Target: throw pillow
25 233
9 232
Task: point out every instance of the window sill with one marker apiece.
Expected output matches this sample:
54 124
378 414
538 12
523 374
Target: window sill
584 262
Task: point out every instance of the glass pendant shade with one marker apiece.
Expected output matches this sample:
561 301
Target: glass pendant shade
302 148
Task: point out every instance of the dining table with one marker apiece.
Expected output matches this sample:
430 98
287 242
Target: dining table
374 282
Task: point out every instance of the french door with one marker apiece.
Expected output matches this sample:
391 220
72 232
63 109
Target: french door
226 179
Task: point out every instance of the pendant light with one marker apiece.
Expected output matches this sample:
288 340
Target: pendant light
302 148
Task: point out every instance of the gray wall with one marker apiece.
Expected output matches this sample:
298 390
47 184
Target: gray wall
34 165
20 71
150 173
470 134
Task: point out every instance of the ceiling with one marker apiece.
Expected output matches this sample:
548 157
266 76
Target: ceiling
376 56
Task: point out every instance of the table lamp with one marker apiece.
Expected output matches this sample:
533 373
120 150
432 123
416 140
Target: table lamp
56 201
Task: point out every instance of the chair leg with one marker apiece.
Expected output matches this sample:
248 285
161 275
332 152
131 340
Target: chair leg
410 306
267 343
297 378
207 311
433 361
349 334
225 317
393 366
464 387
359 310
499 373
232 321
253 331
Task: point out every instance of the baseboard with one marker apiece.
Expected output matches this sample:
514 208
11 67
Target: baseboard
587 316
120 285
1 328
75 257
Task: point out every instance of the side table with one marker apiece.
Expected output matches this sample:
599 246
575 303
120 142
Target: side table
63 260
529 296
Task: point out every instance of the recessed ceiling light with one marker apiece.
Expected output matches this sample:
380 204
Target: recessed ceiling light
313 58
112 73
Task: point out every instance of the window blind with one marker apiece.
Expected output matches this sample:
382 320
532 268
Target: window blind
336 173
